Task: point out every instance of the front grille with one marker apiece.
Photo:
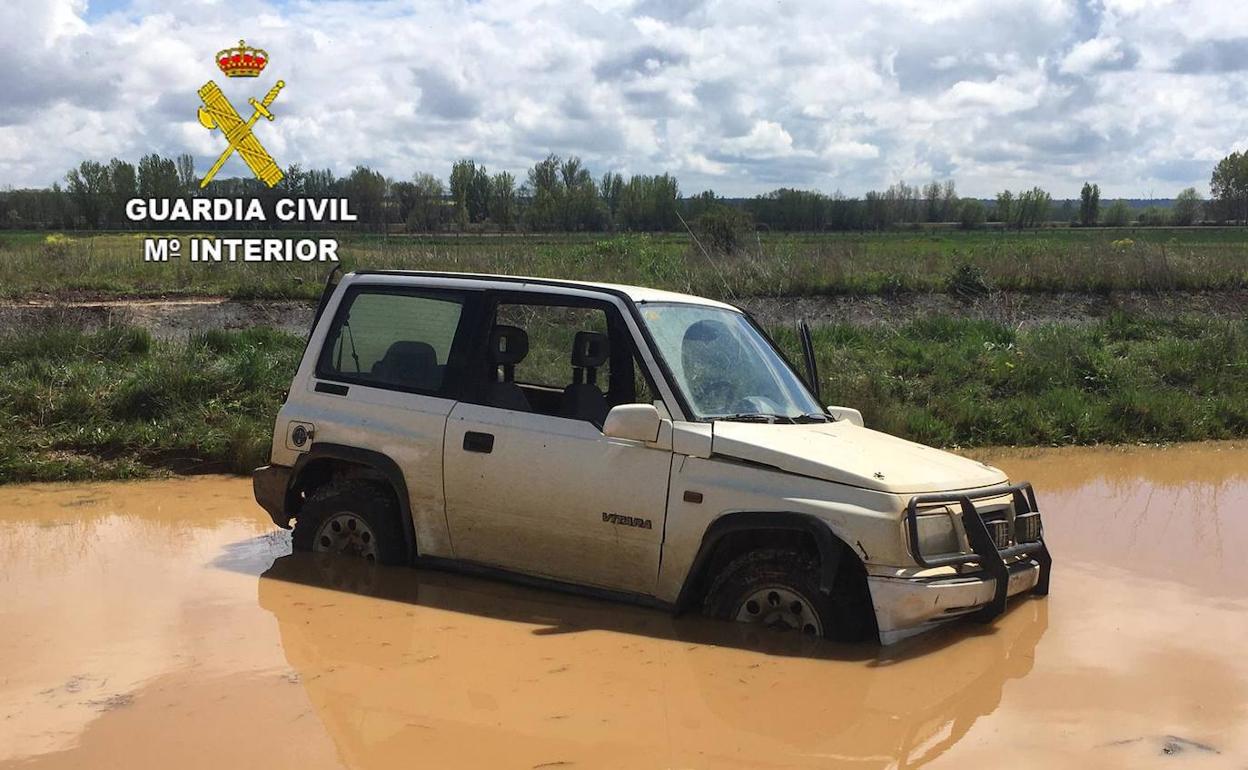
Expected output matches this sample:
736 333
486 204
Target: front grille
1027 527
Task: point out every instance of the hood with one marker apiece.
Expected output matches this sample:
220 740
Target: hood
847 454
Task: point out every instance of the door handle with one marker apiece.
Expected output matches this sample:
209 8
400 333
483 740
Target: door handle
478 442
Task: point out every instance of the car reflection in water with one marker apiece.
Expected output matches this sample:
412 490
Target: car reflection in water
402 663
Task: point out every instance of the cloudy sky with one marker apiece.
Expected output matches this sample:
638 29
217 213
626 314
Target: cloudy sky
1142 96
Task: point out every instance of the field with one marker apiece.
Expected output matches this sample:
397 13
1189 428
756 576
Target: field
113 400
118 404
1056 260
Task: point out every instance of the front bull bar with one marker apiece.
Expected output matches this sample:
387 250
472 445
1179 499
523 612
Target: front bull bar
985 552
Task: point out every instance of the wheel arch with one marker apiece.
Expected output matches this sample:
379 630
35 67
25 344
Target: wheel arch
325 462
735 533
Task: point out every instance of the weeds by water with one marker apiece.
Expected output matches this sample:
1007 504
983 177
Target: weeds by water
116 403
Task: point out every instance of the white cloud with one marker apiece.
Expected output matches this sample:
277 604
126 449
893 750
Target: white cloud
838 94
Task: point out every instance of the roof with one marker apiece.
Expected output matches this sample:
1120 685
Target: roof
635 293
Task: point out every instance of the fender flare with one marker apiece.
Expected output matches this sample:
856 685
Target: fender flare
381 464
831 547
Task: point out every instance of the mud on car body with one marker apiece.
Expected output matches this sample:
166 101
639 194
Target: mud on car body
630 442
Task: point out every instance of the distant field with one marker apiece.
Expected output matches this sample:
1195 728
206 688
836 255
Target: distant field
769 265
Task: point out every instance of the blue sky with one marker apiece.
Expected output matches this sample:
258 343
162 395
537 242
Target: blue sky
1141 96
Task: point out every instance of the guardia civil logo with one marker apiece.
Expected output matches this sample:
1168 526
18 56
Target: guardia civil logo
217 113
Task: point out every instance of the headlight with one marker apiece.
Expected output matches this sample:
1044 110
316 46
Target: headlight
937 535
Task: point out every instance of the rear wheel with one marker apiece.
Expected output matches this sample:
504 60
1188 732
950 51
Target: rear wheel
352 518
779 589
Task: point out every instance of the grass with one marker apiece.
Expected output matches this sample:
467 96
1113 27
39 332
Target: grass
116 404
1053 260
962 382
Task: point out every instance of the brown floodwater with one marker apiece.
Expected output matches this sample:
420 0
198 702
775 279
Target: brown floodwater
164 624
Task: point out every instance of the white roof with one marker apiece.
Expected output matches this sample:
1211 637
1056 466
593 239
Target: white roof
514 282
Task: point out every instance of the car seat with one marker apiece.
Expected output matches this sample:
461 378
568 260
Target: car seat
582 400
508 347
409 364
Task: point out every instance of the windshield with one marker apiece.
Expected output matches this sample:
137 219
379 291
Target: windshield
724 366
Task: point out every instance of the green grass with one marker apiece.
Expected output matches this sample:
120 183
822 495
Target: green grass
960 382
771 265
116 404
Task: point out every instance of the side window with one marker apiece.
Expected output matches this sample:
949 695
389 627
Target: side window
552 330
392 340
571 361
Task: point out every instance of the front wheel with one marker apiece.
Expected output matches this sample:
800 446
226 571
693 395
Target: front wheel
354 519
779 588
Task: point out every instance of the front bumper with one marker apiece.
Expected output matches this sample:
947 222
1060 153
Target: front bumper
905 607
1019 561
269 484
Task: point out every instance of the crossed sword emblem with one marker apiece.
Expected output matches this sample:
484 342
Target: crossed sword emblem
218 112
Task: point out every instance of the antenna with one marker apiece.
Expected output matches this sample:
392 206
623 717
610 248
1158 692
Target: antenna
718 273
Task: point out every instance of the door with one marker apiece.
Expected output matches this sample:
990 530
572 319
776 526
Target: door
532 484
386 379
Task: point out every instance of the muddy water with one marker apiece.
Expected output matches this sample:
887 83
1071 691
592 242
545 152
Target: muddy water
164 625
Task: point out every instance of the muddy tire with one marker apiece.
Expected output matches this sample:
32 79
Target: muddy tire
780 589
352 518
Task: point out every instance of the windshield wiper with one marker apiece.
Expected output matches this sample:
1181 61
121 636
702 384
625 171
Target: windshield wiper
810 417
754 417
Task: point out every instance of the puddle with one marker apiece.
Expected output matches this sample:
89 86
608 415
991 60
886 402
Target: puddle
164 624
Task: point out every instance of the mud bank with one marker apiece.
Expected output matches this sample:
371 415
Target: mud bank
167 318
163 624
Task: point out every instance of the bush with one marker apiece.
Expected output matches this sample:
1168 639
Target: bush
723 229
972 215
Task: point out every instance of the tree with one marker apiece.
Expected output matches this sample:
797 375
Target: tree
1089 205
1031 208
932 200
949 204
367 190
1005 207
88 187
503 199
1118 214
972 215
1229 185
545 187
610 188
420 203
186 174
1187 207
122 186
158 177
1154 216
463 190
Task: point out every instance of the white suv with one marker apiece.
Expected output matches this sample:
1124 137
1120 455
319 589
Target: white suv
634 443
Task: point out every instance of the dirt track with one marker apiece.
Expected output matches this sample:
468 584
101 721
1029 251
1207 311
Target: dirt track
176 317
163 624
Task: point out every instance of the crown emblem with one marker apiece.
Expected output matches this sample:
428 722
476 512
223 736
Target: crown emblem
242 61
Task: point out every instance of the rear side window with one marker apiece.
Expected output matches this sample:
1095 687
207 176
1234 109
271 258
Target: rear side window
392 340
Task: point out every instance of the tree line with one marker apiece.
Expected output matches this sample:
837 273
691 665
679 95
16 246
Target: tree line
561 194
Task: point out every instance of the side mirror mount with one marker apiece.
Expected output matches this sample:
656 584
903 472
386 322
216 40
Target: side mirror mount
846 413
634 422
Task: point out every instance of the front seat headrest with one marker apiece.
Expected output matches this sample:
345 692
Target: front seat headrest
508 345
590 350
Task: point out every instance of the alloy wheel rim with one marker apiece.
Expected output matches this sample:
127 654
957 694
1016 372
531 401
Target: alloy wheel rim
780 607
346 533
